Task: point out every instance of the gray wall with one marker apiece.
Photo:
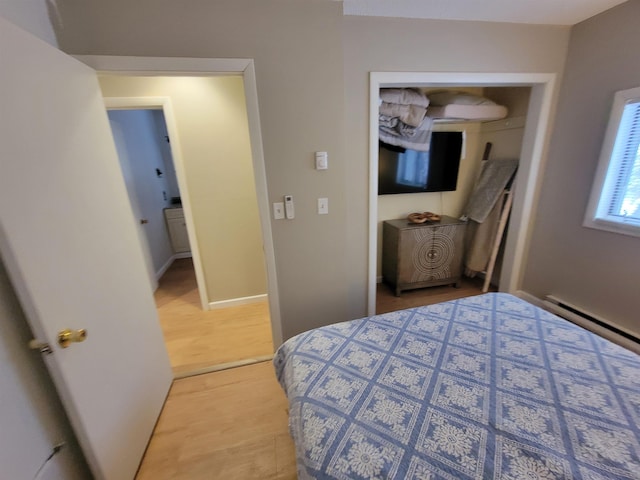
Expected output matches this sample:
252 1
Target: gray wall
590 268
297 47
310 100
409 45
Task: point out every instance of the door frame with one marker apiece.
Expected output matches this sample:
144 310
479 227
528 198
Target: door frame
534 145
164 104
204 67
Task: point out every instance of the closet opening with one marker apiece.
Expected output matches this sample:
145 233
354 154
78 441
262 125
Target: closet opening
518 134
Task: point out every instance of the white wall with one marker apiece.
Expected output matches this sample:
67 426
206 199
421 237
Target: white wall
34 16
165 151
212 126
31 415
506 138
139 147
596 270
32 418
506 135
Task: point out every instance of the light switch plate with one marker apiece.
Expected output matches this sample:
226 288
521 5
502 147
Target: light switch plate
322 161
323 206
278 210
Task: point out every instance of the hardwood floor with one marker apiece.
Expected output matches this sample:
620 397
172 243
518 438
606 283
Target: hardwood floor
233 424
198 339
226 425
386 301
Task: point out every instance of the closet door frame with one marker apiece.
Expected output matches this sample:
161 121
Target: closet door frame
534 145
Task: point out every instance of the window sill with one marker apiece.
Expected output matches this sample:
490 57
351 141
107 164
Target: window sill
631 229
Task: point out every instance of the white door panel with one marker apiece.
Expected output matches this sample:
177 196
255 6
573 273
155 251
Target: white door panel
69 243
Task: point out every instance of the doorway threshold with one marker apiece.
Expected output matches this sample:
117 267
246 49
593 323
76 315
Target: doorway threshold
223 366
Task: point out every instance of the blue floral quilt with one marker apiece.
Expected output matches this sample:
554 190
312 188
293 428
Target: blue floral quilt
486 387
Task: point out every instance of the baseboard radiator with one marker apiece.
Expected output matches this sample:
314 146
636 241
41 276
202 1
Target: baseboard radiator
592 322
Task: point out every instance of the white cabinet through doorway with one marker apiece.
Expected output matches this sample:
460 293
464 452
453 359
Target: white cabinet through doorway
177 228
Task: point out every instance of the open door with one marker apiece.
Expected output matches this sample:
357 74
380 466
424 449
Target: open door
69 243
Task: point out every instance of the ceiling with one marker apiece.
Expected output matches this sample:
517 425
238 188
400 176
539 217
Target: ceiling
549 12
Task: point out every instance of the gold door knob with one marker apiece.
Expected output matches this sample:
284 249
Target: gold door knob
67 336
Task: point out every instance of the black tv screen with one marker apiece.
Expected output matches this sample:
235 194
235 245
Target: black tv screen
410 171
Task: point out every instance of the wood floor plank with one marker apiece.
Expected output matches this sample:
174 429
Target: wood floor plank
224 425
233 424
197 338
285 461
254 459
386 301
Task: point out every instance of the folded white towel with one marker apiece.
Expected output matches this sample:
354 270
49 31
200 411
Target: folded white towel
404 96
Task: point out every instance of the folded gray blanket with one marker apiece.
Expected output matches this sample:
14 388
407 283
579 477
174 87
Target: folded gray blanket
406 136
408 114
387 121
395 125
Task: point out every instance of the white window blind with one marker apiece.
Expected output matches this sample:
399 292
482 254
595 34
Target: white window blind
625 166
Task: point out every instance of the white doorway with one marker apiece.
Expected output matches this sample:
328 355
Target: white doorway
143 146
533 146
198 339
171 183
183 67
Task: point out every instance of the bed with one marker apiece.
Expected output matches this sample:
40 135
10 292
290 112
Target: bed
483 387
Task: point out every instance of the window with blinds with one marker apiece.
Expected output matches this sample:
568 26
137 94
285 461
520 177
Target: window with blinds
615 197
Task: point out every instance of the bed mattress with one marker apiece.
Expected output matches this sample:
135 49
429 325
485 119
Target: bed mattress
479 388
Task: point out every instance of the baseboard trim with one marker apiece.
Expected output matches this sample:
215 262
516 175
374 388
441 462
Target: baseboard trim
172 259
164 268
235 302
603 329
530 298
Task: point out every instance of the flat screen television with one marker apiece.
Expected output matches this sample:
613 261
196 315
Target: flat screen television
410 171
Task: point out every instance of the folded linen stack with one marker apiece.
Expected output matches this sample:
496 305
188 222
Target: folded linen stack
402 118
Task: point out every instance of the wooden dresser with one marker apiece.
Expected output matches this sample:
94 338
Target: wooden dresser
422 255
